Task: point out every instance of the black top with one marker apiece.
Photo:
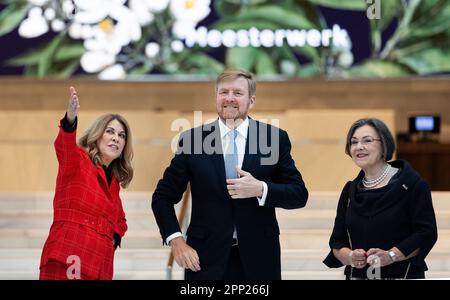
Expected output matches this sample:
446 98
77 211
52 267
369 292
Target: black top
400 214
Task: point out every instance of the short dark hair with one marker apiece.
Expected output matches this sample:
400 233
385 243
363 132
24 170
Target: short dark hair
387 140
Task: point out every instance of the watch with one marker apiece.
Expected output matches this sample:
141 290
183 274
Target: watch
392 255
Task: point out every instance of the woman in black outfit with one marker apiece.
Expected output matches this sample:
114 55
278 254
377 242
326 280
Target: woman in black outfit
385 224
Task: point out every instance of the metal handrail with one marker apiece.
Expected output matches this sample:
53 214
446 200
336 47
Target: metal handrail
181 217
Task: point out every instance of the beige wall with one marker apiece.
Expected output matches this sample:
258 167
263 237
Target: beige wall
29 163
316 113
404 96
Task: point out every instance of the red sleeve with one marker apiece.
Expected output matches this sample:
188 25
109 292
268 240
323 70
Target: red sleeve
67 151
121 225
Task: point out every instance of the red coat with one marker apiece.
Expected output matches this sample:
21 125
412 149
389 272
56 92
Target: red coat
86 212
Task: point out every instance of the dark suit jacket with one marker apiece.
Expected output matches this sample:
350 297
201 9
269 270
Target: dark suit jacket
400 214
214 213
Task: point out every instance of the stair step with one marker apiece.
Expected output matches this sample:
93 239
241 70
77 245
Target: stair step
149 260
295 219
142 200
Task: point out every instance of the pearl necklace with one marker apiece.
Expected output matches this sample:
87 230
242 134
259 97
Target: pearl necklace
373 183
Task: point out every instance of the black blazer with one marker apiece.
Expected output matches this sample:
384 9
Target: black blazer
401 214
214 213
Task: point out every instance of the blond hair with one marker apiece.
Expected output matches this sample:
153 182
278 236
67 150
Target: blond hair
234 74
121 166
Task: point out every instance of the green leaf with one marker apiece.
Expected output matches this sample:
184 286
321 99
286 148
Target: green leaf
285 53
308 52
47 57
232 7
430 60
341 4
389 10
30 71
277 15
65 52
202 64
11 16
231 23
241 58
431 17
309 70
64 70
264 64
141 70
311 12
69 52
375 68
226 8
29 58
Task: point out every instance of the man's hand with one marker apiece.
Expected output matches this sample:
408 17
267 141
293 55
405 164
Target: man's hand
74 105
185 256
246 186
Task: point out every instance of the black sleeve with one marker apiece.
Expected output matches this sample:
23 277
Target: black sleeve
287 190
170 189
117 240
66 126
339 236
423 223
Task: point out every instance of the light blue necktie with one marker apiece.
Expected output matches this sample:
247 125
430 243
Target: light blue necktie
231 156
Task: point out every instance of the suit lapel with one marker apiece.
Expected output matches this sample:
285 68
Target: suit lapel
216 158
250 159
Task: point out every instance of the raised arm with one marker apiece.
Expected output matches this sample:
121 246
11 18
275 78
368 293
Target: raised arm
66 148
74 105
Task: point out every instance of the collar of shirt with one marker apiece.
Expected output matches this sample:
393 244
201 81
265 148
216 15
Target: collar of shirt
242 129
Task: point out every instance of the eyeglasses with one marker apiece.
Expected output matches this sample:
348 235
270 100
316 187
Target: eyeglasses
365 141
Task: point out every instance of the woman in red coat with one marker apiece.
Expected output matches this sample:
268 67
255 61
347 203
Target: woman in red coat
89 220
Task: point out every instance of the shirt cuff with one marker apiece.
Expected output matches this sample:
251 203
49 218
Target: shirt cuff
173 236
66 126
262 200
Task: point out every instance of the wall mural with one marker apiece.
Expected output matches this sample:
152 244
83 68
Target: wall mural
119 39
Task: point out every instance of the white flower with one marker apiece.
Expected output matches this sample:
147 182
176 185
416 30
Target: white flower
177 46
75 30
34 25
151 49
94 11
345 59
87 32
157 5
181 28
95 61
100 12
68 8
113 72
58 25
190 10
106 27
187 14
144 9
38 2
49 13
287 67
142 12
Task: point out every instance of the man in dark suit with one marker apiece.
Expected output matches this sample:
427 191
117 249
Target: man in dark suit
239 170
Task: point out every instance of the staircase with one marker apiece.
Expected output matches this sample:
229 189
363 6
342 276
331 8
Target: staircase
25 219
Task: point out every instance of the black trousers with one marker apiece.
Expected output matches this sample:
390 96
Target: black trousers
235 270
